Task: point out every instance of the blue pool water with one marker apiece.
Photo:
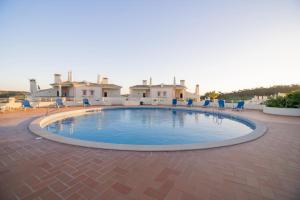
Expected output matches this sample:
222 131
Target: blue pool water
155 126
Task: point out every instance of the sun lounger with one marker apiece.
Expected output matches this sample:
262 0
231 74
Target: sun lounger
239 106
206 103
26 104
190 102
174 102
59 102
221 104
86 102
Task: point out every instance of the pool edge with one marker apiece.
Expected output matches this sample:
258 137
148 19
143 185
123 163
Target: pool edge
36 128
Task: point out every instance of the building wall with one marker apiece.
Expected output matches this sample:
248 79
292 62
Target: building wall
71 92
79 92
178 92
134 93
46 93
169 92
189 95
112 92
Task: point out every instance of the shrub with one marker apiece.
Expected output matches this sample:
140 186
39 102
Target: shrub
292 100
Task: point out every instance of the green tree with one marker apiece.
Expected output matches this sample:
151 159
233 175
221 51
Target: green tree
212 95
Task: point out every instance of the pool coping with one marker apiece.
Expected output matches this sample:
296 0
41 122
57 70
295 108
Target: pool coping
36 127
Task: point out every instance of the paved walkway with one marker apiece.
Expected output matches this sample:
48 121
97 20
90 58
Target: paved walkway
267 168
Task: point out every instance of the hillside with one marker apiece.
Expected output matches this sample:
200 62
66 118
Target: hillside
261 91
17 94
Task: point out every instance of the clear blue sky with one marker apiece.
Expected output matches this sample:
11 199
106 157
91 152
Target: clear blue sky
221 45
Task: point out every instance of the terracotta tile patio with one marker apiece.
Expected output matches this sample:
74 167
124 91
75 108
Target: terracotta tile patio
267 168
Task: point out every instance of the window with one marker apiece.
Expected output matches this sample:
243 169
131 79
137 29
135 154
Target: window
105 94
158 94
92 92
144 94
83 92
165 93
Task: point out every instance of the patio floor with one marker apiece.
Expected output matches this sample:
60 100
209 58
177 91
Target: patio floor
267 168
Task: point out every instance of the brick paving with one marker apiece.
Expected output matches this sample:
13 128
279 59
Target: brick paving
267 168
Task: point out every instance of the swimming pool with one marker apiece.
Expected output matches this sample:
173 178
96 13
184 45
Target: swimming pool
151 126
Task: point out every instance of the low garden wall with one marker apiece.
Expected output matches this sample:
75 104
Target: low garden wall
282 111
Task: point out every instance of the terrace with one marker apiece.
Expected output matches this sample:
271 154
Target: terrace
35 168
215 115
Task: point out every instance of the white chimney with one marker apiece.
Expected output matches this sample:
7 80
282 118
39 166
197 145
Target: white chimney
98 79
57 78
150 82
182 82
174 81
104 80
33 87
197 90
70 76
144 82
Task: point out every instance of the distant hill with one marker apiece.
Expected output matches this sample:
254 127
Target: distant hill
17 94
261 91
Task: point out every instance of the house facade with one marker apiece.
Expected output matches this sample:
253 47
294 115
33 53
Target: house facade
77 89
167 91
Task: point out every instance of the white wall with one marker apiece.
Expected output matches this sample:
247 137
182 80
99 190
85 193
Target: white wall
46 93
71 92
138 93
97 92
154 91
112 92
282 111
189 95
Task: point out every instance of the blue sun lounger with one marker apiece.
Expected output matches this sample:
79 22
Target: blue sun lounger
85 102
190 102
174 102
221 103
26 104
239 106
206 103
59 102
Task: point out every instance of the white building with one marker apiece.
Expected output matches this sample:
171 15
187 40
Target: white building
75 89
167 91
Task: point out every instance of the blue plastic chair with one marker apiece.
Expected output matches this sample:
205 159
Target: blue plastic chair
86 102
221 103
206 103
190 102
239 106
26 104
59 102
174 102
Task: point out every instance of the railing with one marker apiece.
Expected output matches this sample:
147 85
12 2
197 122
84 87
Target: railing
71 101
